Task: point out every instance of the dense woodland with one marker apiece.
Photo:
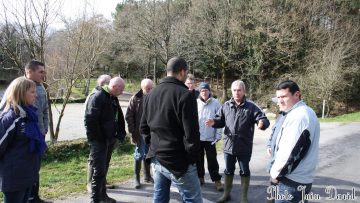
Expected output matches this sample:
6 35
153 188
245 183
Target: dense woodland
315 42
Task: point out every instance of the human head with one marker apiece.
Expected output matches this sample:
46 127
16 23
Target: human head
190 81
103 80
287 94
238 90
21 92
116 86
177 67
35 71
146 85
204 91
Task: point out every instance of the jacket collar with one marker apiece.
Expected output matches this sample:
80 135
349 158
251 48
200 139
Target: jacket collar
139 94
171 79
299 103
233 103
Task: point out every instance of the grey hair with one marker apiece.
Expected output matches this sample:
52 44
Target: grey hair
103 80
238 83
145 82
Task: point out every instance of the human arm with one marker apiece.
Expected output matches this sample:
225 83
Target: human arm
144 127
260 118
190 121
46 114
92 116
218 121
122 131
130 118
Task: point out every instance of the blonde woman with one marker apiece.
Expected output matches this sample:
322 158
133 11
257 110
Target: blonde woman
21 142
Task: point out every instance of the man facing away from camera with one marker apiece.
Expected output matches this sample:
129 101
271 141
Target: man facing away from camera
170 125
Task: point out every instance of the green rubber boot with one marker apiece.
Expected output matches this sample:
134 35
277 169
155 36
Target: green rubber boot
227 189
245 181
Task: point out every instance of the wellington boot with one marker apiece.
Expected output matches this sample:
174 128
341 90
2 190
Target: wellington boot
227 189
245 181
137 169
89 177
147 174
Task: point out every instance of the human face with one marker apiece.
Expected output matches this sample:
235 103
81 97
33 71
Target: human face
190 84
118 89
286 100
238 93
148 87
37 75
30 96
204 94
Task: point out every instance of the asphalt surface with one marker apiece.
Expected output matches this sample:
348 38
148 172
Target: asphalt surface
338 167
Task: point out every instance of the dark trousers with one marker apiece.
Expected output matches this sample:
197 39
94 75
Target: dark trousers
213 165
100 156
230 161
17 196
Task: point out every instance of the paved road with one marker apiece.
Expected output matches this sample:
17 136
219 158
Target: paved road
72 123
338 166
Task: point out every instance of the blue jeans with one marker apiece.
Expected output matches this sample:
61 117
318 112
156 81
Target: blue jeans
188 184
230 161
141 150
17 196
287 186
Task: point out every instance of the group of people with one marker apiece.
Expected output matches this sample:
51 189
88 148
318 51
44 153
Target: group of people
180 124
173 126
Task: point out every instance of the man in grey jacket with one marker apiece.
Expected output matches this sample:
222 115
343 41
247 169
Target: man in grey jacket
35 71
294 145
238 116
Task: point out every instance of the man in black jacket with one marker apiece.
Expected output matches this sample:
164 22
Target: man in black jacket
170 125
104 122
238 116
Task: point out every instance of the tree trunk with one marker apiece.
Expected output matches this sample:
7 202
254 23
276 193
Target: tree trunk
155 62
224 95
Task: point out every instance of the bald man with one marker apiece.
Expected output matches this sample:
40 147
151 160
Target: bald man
133 117
104 123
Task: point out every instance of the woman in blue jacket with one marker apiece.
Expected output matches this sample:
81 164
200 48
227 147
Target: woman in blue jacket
21 142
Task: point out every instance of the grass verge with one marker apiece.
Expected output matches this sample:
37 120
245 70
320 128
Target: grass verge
64 166
351 117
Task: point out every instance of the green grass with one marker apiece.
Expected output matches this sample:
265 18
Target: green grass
351 117
64 166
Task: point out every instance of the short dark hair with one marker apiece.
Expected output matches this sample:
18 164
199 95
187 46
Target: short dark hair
34 65
176 64
293 87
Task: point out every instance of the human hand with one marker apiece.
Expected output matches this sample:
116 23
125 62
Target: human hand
209 122
274 180
260 124
269 151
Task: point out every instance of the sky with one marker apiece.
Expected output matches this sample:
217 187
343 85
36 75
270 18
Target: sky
74 8
71 9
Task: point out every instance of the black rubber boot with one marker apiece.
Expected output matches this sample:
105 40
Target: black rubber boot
137 169
147 174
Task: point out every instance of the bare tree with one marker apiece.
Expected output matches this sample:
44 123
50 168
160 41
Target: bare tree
73 55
